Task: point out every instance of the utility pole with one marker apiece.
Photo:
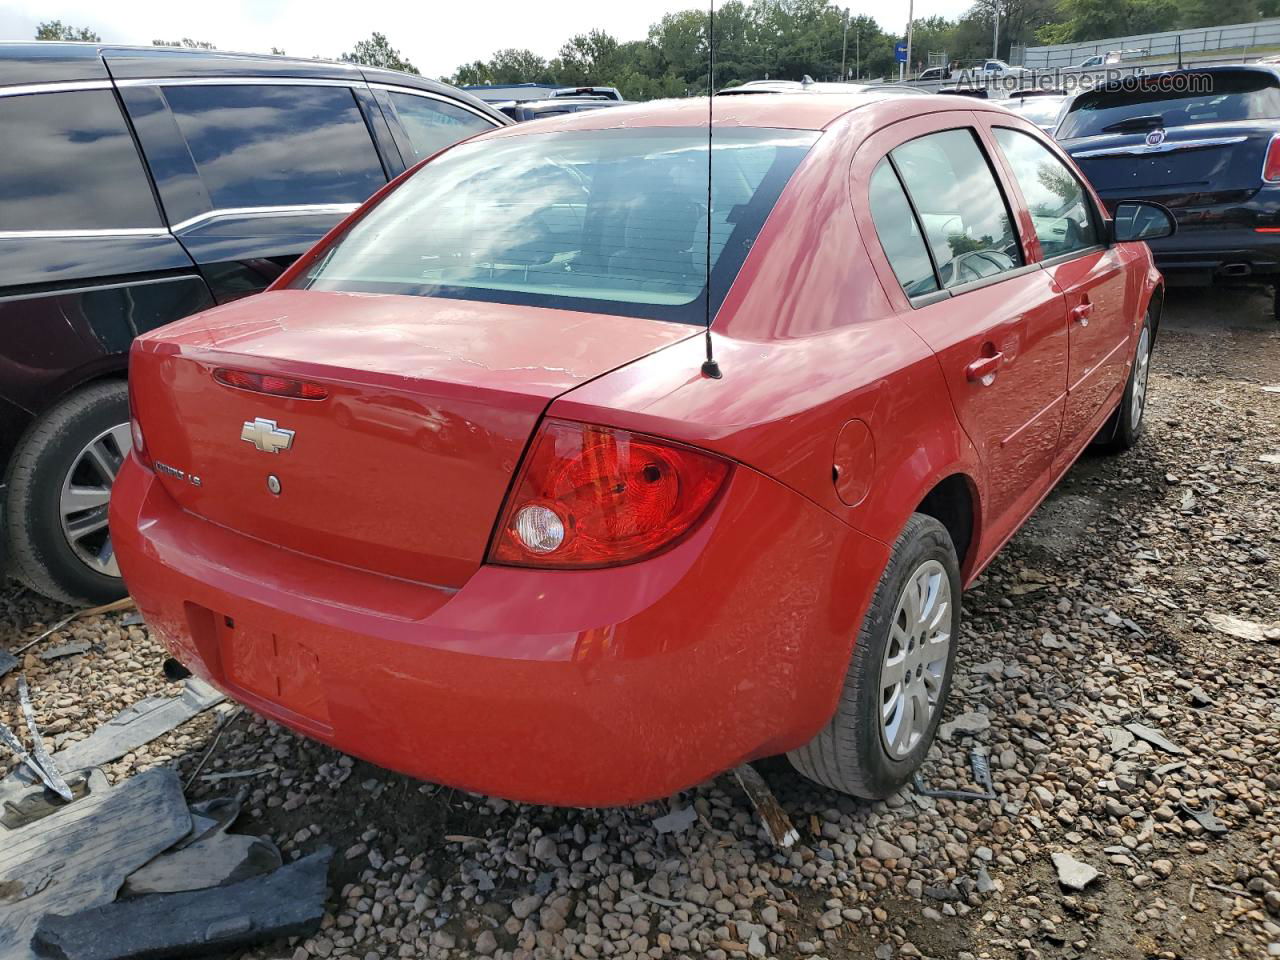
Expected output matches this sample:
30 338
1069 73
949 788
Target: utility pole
857 50
995 41
910 22
844 49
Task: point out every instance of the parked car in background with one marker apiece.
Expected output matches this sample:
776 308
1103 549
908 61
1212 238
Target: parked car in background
552 107
1205 142
809 85
998 68
138 186
1044 108
601 571
934 74
526 92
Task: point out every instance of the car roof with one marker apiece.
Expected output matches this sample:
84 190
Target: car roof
800 111
42 61
1112 86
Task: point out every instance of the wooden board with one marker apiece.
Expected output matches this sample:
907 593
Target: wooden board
78 857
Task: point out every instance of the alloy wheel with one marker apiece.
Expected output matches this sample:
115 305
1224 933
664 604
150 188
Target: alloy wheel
915 659
1141 367
86 492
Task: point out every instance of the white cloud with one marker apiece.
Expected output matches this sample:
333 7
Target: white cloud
436 37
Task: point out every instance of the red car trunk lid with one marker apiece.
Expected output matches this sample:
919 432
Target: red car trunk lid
403 468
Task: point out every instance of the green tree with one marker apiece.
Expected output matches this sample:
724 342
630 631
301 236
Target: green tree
1079 20
57 30
377 52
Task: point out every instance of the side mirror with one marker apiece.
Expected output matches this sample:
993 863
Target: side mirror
1142 220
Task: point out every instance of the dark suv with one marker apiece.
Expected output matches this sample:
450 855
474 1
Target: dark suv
1205 142
140 185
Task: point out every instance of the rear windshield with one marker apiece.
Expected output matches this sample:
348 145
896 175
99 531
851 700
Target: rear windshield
1041 111
605 221
1174 101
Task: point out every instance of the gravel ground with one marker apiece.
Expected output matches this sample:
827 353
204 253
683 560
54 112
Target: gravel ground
1098 614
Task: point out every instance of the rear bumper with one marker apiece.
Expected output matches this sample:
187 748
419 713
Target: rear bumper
582 688
1201 264
1222 244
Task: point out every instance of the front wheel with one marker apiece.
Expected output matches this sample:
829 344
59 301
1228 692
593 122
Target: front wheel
59 486
896 685
1126 423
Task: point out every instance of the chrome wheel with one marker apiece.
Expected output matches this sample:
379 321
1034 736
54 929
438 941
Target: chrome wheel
915 659
1141 367
86 491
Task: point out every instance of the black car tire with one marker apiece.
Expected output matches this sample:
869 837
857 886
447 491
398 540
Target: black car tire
40 555
1124 427
849 754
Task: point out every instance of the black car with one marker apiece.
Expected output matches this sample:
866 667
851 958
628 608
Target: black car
139 185
1206 144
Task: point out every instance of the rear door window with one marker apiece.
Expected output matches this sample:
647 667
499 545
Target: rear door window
1160 102
962 211
70 164
899 233
1057 201
434 124
277 145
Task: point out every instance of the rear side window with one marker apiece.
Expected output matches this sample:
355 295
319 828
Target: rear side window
603 221
962 210
433 124
1178 100
284 145
899 234
1059 208
70 164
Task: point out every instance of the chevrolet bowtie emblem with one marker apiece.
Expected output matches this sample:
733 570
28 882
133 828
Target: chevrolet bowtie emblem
266 436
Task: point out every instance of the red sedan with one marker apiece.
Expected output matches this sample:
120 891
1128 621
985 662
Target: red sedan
458 496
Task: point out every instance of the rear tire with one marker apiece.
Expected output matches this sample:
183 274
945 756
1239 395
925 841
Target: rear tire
68 458
862 751
1125 426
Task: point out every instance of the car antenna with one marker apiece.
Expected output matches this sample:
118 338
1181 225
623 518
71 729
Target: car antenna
709 366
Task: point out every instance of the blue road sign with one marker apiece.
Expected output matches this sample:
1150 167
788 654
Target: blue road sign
900 52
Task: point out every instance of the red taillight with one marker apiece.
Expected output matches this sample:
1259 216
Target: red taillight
1271 166
269 383
596 497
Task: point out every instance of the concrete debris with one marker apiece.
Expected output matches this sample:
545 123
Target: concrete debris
1119 738
1073 874
970 723
776 822
1243 629
677 821
66 650
139 724
1154 737
77 857
7 662
288 902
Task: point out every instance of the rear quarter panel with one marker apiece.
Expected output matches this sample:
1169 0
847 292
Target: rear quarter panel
807 342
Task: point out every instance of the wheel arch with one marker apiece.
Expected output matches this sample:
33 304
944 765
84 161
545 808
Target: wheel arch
953 501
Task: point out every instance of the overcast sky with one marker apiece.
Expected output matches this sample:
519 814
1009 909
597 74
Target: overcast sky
436 35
